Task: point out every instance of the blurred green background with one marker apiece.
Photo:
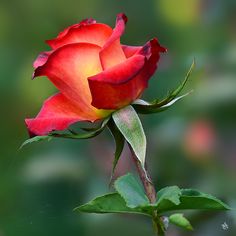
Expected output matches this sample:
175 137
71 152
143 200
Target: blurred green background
191 145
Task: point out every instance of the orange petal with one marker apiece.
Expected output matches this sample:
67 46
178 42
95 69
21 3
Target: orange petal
57 113
69 67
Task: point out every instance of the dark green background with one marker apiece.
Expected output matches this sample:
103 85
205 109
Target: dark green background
191 145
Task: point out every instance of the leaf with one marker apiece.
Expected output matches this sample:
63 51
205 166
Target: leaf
127 121
90 134
35 139
168 195
132 191
120 141
193 199
131 199
179 220
158 106
109 203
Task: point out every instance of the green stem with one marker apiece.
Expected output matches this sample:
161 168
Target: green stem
151 194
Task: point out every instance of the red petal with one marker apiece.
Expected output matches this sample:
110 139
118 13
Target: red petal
83 22
69 67
112 53
41 59
130 50
122 84
57 113
85 32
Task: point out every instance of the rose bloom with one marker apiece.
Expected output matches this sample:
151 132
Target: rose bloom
93 72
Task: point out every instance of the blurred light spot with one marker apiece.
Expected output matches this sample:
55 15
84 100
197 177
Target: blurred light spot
54 166
179 13
168 132
214 92
199 140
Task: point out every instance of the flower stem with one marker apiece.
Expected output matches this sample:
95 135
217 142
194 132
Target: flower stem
150 192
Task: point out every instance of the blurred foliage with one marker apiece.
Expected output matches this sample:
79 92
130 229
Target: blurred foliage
192 144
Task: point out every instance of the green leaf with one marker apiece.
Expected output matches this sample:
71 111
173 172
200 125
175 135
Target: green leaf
168 195
35 139
90 134
193 199
127 121
131 199
179 220
158 106
132 191
120 141
109 203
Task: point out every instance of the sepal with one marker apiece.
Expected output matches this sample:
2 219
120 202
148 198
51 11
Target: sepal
90 133
156 106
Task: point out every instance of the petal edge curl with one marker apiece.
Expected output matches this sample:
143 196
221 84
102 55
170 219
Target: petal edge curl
111 53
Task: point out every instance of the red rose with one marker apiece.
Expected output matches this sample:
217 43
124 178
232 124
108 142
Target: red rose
94 73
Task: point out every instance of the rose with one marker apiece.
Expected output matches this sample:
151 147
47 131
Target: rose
94 73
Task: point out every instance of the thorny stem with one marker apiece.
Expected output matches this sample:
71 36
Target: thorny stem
151 194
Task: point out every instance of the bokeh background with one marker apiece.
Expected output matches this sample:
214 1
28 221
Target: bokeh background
191 145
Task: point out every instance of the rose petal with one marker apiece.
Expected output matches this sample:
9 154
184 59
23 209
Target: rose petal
69 67
123 83
83 22
57 113
152 50
112 53
85 32
114 87
41 59
129 51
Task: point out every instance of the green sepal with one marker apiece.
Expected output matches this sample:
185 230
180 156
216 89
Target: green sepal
72 135
178 219
129 124
156 106
132 191
109 203
35 139
119 142
89 134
